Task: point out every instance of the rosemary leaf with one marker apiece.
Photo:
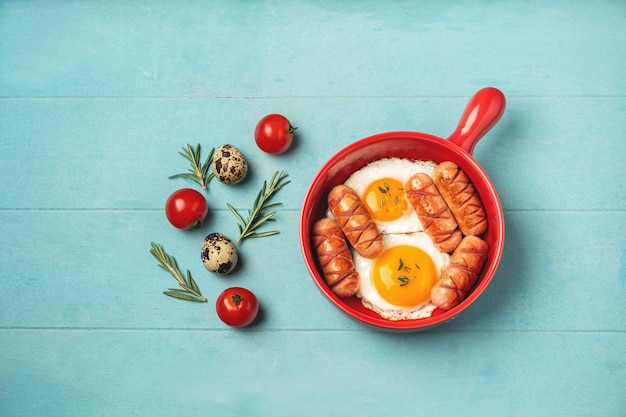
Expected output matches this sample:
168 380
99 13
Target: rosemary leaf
185 175
267 217
180 290
268 206
236 213
259 195
192 283
263 234
183 296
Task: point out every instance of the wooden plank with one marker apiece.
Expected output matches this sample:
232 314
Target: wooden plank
231 373
91 269
203 49
118 153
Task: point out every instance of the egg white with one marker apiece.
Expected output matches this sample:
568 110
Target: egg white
371 299
400 169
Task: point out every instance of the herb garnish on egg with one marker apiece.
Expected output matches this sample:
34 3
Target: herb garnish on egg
403 278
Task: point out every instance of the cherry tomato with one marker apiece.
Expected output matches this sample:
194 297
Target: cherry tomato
186 209
237 307
274 134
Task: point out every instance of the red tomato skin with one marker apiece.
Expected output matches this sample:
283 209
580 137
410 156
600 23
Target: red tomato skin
274 134
186 209
237 307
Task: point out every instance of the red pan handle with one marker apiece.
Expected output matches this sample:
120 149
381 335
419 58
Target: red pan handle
482 112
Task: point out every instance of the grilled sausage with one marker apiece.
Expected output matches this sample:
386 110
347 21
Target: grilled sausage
458 192
355 221
459 276
335 258
433 212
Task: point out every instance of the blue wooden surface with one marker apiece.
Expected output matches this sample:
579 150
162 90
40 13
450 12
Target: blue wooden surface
96 99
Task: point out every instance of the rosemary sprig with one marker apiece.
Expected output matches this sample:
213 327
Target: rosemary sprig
404 280
256 216
199 172
402 267
190 290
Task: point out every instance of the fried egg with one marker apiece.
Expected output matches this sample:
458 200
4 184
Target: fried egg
397 284
380 185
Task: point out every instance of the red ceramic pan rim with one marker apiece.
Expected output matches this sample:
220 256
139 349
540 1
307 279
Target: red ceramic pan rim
461 157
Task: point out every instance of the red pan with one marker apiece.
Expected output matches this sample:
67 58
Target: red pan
482 112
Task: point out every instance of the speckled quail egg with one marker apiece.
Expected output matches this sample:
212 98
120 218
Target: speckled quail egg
219 254
229 165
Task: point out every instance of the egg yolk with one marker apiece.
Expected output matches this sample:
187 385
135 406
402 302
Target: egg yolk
403 275
384 199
